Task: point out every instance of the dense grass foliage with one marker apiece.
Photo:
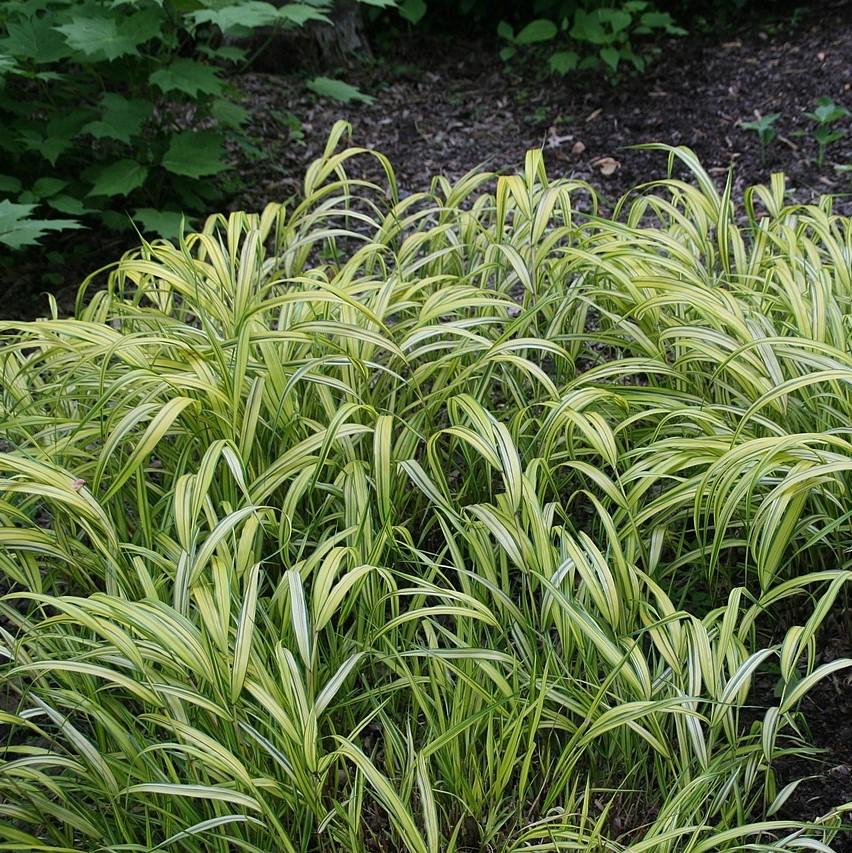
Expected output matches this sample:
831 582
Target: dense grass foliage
458 521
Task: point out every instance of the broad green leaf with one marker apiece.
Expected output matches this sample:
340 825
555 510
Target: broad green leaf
299 14
119 178
121 118
18 230
34 38
228 114
188 76
337 90
50 76
588 28
47 187
505 31
226 52
145 25
195 153
617 19
250 14
656 20
8 65
412 10
564 61
57 137
611 57
165 223
537 31
9 184
98 37
115 220
828 112
68 204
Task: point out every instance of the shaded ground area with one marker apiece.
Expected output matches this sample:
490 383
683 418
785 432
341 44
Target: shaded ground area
826 781
447 108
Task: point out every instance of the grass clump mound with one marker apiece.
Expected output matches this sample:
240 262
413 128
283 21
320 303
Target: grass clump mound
461 521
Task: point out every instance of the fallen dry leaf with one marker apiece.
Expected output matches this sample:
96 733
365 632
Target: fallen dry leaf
578 148
594 114
607 165
554 140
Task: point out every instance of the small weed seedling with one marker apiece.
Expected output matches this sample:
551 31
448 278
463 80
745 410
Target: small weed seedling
827 114
538 116
763 126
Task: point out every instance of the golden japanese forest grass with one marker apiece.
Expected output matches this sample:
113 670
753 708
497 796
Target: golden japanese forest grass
463 521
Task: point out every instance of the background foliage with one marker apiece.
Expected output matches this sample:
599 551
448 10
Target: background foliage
112 107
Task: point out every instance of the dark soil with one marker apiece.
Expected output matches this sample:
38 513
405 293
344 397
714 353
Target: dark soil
447 107
827 780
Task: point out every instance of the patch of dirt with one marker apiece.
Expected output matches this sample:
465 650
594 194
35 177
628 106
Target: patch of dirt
445 107
827 780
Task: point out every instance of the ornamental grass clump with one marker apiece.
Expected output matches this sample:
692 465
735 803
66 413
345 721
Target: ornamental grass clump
466 520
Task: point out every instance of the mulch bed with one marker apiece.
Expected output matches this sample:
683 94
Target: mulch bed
448 106
827 780
445 107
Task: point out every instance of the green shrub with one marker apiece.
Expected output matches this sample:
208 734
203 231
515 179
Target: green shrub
578 34
112 108
434 523
601 35
613 35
